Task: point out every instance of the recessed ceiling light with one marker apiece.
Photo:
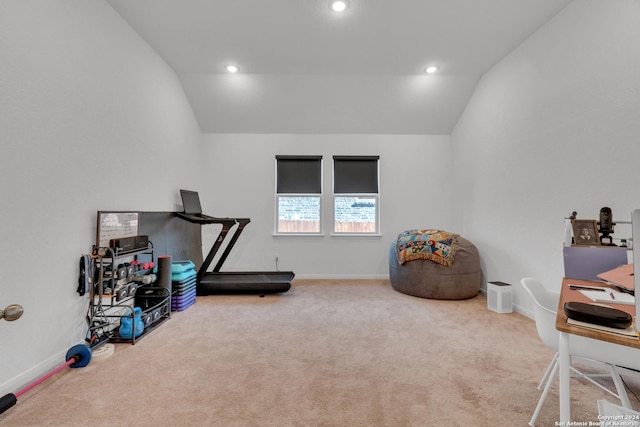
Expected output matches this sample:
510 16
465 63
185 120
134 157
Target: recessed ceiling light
232 68
432 69
338 5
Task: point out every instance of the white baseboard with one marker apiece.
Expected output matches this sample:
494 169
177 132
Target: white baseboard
342 277
516 308
524 311
29 376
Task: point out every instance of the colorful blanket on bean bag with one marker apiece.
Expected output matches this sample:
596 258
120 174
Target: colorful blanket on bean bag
434 245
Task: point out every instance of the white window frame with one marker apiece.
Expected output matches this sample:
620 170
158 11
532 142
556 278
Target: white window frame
280 232
376 230
278 196
369 195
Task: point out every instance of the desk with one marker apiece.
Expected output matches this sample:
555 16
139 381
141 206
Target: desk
618 353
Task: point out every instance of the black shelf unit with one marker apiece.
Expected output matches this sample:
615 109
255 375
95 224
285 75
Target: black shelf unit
120 286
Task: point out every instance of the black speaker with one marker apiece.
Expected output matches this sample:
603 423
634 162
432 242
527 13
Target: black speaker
164 272
141 241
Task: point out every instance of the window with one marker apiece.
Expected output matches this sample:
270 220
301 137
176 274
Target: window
298 194
356 197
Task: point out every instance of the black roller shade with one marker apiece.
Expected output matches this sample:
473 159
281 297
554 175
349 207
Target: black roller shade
299 174
355 174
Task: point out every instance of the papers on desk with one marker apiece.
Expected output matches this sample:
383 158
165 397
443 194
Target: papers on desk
629 332
621 277
608 296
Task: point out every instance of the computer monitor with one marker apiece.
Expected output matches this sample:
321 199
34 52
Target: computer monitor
587 262
635 233
191 202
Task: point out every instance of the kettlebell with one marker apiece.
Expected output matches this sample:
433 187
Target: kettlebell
126 324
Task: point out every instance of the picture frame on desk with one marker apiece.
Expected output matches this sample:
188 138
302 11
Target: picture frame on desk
585 232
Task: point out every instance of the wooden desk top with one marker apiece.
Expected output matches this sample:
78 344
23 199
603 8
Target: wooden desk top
567 295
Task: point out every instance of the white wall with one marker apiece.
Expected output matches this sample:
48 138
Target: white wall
87 109
90 119
415 192
552 128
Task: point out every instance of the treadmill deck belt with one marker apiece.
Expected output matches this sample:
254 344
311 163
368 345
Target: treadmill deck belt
245 282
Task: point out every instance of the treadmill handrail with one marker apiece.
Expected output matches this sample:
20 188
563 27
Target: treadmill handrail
241 224
229 222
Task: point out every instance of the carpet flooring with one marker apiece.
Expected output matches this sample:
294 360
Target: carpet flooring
326 353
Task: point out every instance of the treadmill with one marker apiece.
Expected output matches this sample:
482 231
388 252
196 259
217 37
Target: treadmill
219 282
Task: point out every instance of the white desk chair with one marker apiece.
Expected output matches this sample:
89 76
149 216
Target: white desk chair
545 312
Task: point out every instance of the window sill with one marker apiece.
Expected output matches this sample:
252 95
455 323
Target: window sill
378 235
356 235
298 234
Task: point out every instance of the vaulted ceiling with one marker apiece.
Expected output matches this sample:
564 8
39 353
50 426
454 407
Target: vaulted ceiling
306 69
